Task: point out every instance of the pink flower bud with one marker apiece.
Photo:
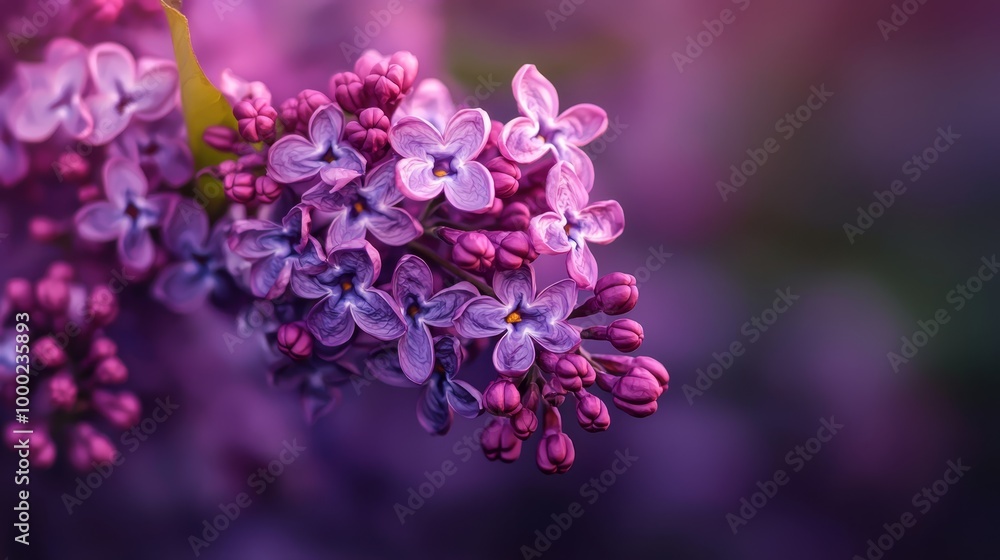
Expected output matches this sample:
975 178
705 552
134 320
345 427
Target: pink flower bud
295 340
102 305
121 409
62 390
592 413
515 217
654 367
555 453
524 423
383 85
89 448
409 65
266 190
348 89
52 295
505 176
111 371
72 167
240 187
60 270
636 392
625 335
49 352
288 111
221 138
20 294
473 251
308 101
100 11
515 250
573 371
89 193
500 442
256 119
46 230
370 133
616 293
101 348
501 398
553 392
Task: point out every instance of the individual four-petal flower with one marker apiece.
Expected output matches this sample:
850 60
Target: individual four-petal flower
542 128
160 147
434 162
278 252
325 153
51 94
412 288
346 297
124 89
184 285
572 223
522 317
127 215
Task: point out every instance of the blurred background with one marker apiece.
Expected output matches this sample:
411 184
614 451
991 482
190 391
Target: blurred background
688 98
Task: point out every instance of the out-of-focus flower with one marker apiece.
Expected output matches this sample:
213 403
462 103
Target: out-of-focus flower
50 94
434 162
522 317
184 285
237 89
160 147
543 129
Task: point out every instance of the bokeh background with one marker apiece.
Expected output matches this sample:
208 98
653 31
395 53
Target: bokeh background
680 129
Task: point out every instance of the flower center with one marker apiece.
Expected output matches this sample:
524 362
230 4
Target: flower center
132 211
442 167
346 285
329 156
359 207
412 310
123 102
514 317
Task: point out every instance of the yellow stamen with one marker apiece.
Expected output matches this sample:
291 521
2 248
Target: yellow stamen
514 317
412 310
346 285
440 172
359 206
566 228
540 137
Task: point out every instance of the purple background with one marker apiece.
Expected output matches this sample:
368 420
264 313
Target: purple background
825 356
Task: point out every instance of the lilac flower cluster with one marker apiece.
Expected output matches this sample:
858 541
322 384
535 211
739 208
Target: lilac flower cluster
74 367
394 229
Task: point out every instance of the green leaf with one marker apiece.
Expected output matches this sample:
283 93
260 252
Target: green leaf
201 103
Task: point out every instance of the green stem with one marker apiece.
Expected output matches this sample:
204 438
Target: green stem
450 267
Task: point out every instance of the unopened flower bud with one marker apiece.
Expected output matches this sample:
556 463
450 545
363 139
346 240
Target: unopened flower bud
89 448
295 340
555 453
515 217
102 305
409 65
288 112
308 101
221 138
473 251
573 371
499 442
553 392
592 413
121 409
102 347
616 293
266 190
71 167
111 371
636 392
515 250
348 89
46 230
20 294
62 390
505 176
654 367
49 352
384 84
239 186
501 398
256 119
524 423
625 335
89 193
370 133
100 11
52 295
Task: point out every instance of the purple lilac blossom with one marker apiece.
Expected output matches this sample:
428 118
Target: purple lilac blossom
185 285
160 147
324 152
278 252
51 94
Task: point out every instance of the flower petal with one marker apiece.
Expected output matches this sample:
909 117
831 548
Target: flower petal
112 68
431 101
535 95
433 411
416 179
448 354
294 158
123 180
548 234
514 353
520 142
464 399
383 364
467 133
481 317
416 353
359 258
270 276
394 226
413 137
563 190
344 229
602 222
412 279
376 314
155 91
581 124
100 221
331 321
515 287
136 249
348 165
581 163
31 119
582 266
559 337
108 121
471 189
326 125
557 301
380 185
183 286
440 310
186 228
